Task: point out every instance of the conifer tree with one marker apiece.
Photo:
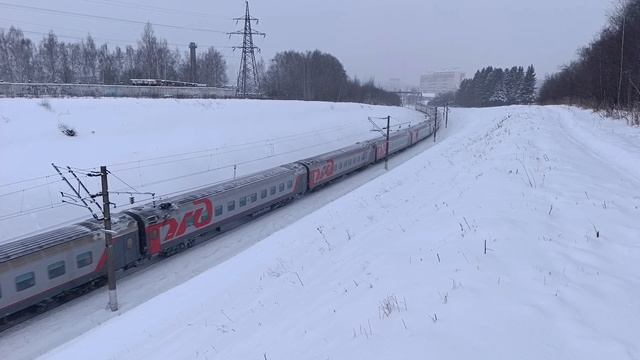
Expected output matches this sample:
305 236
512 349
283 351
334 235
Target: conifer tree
529 85
499 97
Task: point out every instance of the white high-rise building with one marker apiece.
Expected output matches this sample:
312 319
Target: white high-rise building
441 81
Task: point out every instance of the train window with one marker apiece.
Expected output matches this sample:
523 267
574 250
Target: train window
57 269
281 187
340 165
263 194
254 197
84 259
25 281
349 162
218 210
0 292
289 184
272 190
362 157
231 205
129 243
205 217
243 201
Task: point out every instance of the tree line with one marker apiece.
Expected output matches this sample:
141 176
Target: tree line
493 87
318 76
606 74
291 75
85 61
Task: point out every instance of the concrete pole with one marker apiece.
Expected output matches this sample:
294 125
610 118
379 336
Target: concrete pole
108 238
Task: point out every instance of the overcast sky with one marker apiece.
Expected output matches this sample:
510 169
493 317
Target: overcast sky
379 39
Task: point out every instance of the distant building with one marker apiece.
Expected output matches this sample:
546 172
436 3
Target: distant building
394 84
441 81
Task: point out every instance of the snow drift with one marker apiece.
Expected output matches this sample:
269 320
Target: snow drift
516 236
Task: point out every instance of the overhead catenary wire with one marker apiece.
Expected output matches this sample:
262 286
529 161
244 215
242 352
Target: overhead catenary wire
182 191
89 173
29 188
31 211
204 153
122 181
46 228
44 177
229 166
47 207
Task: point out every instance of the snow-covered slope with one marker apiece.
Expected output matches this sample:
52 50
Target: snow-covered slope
397 269
157 145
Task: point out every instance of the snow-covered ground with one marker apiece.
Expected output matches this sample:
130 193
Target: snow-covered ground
157 145
396 268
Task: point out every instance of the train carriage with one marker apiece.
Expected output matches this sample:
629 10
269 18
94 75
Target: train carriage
420 132
60 261
177 222
329 166
397 141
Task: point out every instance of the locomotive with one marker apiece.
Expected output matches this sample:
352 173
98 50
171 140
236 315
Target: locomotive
70 259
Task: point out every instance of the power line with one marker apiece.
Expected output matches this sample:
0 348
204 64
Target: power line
31 211
224 180
210 152
98 37
124 182
229 166
46 228
115 41
87 171
51 206
29 188
108 18
206 152
159 9
29 180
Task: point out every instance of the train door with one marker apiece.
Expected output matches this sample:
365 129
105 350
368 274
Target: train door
126 249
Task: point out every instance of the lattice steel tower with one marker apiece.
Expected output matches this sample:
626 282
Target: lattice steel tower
248 84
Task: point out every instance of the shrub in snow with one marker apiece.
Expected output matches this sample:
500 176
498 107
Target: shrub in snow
389 305
69 131
45 104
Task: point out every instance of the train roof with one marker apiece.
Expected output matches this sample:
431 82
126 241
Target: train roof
28 245
25 246
201 193
335 153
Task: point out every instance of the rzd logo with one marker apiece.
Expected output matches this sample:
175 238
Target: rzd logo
382 150
319 174
176 229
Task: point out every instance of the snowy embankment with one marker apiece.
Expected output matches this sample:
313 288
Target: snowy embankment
398 268
160 146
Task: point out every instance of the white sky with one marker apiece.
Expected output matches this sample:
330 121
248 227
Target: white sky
373 39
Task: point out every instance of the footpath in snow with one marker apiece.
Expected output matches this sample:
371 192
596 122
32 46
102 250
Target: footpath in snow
157 145
399 269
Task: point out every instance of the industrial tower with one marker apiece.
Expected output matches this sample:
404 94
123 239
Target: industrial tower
248 84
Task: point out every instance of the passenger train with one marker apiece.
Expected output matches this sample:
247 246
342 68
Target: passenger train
69 260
